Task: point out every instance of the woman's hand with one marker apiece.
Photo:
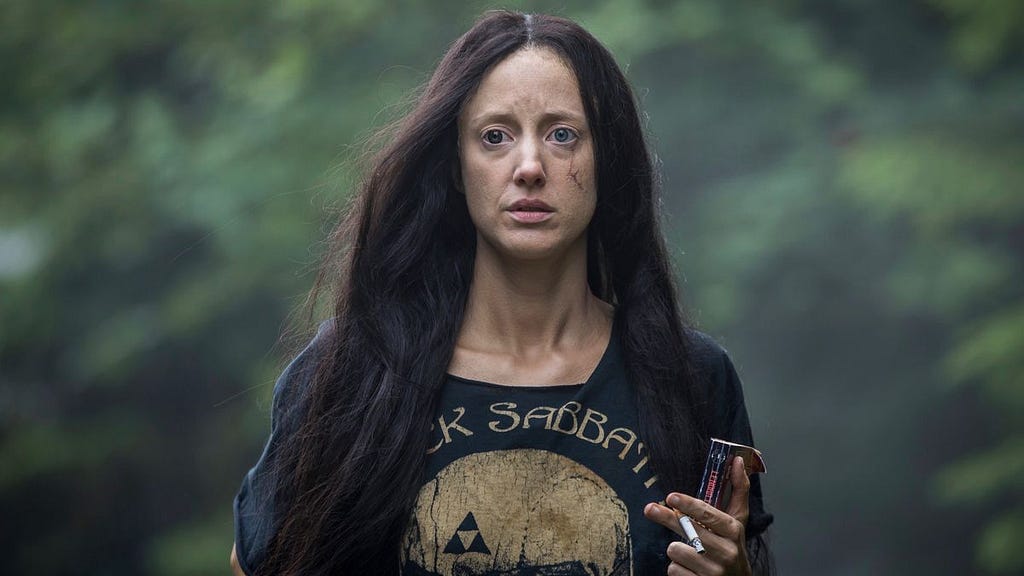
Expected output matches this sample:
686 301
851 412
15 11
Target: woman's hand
722 533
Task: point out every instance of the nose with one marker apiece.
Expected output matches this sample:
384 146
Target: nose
529 171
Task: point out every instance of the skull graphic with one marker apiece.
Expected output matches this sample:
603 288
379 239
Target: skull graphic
517 512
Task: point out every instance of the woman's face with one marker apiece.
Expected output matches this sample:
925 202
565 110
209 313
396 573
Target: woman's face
528 159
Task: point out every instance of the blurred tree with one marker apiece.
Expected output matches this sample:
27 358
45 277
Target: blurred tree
159 163
956 184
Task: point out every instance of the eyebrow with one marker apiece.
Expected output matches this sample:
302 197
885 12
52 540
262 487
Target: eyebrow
508 118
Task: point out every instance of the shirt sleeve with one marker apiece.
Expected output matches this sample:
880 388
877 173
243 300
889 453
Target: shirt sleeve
729 420
254 505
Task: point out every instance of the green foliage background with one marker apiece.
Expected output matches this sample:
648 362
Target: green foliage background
844 183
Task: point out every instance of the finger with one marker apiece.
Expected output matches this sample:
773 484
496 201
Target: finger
677 570
716 546
663 515
720 549
715 520
739 502
687 558
669 518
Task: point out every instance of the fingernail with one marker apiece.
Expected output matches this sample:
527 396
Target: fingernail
673 500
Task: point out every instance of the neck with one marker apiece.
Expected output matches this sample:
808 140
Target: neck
532 305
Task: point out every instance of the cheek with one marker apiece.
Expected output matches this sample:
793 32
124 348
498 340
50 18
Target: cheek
471 180
478 191
581 179
479 173
581 169
580 176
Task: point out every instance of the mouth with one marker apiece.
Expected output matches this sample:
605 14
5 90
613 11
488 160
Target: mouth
527 205
528 211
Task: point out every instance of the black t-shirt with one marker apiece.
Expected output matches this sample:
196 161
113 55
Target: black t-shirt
539 480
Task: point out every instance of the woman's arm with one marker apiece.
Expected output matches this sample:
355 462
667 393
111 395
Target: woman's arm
235 568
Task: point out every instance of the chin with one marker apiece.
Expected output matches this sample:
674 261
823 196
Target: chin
533 254
536 250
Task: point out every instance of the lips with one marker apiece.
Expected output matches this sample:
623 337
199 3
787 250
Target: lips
528 211
527 205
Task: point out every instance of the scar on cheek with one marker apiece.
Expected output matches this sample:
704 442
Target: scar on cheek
575 178
574 174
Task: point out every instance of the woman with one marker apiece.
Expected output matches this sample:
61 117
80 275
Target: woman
506 386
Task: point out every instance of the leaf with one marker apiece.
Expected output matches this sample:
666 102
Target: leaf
999 547
938 180
990 356
993 474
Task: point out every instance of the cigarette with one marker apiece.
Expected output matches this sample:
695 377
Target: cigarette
691 534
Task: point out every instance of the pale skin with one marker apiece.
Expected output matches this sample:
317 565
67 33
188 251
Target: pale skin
235 568
530 318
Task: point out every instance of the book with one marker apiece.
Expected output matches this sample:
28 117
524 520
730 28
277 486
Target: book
718 468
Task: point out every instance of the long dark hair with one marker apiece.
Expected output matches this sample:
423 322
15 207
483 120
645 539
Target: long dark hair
400 273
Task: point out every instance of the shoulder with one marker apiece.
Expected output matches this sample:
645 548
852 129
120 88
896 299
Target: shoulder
707 357
255 507
315 347
294 380
721 389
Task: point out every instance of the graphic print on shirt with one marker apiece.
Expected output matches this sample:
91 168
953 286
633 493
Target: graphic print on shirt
519 511
467 538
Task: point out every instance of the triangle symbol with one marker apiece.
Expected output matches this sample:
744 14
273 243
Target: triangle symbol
478 545
468 523
455 545
466 536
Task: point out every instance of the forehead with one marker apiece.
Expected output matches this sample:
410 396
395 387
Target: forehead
529 83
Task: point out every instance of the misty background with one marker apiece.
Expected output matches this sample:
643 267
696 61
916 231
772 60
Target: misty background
844 194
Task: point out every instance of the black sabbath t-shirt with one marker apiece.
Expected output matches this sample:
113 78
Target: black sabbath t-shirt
534 480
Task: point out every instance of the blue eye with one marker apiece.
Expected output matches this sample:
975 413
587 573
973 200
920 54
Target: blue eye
494 136
563 135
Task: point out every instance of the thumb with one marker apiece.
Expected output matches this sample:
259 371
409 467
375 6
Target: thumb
739 506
